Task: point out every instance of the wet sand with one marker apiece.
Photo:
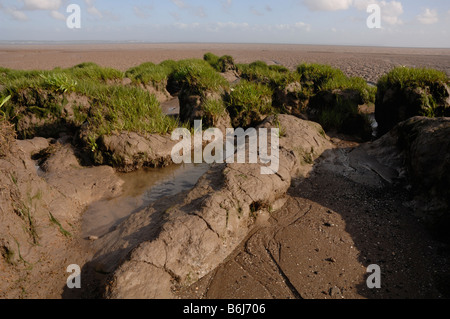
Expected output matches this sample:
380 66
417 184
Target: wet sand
367 62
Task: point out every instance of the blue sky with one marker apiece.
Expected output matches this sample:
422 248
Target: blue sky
413 23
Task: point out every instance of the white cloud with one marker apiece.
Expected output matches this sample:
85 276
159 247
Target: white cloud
92 10
292 26
186 26
42 4
328 5
142 12
428 16
233 25
180 4
57 15
17 14
33 5
95 12
198 11
14 13
302 25
390 10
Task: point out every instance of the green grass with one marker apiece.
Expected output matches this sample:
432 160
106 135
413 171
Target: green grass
320 77
112 107
248 101
7 134
198 77
64 232
333 118
92 71
150 73
4 100
358 84
277 124
118 108
315 76
219 64
277 77
212 60
29 265
59 83
405 92
213 109
404 77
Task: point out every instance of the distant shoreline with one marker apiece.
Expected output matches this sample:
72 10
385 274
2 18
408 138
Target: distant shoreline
100 42
367 62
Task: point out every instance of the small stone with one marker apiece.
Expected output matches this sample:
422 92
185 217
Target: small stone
334 291
92 238
331 260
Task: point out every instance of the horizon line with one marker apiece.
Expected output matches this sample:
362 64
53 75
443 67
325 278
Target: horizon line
100 42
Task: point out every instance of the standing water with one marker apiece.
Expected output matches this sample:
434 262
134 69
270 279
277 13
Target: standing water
139 190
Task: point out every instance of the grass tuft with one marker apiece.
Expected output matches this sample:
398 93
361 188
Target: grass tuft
403 77
198 77
248 102
64 232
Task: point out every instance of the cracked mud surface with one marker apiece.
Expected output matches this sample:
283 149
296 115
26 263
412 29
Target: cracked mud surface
320 243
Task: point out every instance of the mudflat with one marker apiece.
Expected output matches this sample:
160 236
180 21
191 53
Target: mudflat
367 62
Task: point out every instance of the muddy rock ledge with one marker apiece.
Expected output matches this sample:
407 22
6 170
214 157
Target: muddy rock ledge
40 209
159 249
420 148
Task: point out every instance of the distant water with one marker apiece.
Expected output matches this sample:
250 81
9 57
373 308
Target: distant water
31 42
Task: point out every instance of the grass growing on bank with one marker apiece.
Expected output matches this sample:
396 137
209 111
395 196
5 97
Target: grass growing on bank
150 73
403 77
220 64
248 102
213 110
275 76
46 94
7 134
198 77
406 92
318 77
119 108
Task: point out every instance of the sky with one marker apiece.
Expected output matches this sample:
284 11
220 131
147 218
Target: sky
403 23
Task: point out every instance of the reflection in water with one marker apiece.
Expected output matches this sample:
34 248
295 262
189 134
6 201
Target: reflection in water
373 124
139 190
